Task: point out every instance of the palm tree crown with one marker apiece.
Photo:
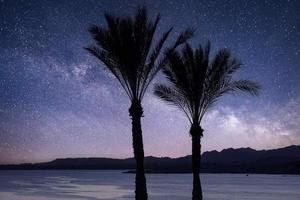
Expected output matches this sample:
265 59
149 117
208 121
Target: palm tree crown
196 83
125 47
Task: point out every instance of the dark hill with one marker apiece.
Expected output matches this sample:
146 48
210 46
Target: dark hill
244 160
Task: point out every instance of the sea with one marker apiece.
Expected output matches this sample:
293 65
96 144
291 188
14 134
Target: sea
112 185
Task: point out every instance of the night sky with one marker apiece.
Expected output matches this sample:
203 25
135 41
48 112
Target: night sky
56 100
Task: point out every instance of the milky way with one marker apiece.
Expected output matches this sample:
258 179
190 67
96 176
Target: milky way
57 101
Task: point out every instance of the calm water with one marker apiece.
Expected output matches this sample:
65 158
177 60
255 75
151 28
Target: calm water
108 185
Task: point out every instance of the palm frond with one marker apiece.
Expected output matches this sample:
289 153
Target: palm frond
162 62
124 46
111 66
246 86
196 84
183 37
172 97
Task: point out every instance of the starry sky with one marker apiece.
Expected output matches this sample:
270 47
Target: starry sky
56 100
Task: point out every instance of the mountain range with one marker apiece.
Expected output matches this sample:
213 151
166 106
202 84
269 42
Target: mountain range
243 160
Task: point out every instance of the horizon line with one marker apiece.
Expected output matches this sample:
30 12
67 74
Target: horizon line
38 162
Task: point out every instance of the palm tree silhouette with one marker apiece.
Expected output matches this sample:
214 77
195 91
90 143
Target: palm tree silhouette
125 48
195 85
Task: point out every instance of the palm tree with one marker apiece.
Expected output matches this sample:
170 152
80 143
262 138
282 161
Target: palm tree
125 48
195 85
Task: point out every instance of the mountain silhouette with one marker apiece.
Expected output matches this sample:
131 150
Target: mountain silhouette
243 160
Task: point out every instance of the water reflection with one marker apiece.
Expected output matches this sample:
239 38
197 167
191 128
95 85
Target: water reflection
111 185
43 187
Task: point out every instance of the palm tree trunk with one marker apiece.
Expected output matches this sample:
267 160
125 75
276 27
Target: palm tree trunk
136 112
196 133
